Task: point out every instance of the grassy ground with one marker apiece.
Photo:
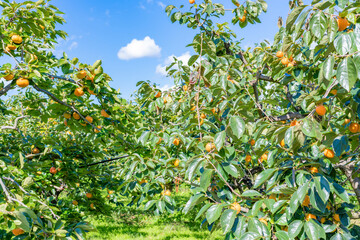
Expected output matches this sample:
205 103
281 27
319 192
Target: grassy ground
148 227
132 223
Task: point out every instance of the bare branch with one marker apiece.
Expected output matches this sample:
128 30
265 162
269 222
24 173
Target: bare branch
15 124
186 181
4 189
65 79
288 116
343 163
29 156
7 194
27 193
221 176
266 78
6 89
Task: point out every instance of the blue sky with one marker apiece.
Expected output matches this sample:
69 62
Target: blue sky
99 29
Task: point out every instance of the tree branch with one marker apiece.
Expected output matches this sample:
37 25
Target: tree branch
15 124
288 116
104 161
27 193
6 89
63 103
7 194
65 79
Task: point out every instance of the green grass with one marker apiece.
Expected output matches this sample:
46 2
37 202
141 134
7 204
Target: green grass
131 223
148 227
135 223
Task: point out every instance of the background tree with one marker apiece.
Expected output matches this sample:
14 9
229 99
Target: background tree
267 138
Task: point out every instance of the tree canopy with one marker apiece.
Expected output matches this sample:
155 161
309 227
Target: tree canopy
266 138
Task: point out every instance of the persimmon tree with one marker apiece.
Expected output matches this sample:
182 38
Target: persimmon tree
267 139
52 129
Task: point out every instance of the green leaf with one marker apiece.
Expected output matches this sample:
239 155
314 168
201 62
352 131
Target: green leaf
37 73
251 193
322 187
220 140
144 137
333 29
316 200
356 58
298 197
308 127
205 179
271 158
318 24
341 192
193 59
240 226
311 230
264 5
342 3
27 182
250 236
343 44
337 236
322 5
277 205
293 16
340 145
256 207
289 137
237 126
347 73
300 23
160 205
227 220
263 176
231 169
295 228
282 235
203 209
193 201
193 166
149 204
213 213
328 67
97 64
21 160
356 36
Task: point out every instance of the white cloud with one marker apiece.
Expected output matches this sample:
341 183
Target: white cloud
73 45
161 4
166 87
161 68
139 49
